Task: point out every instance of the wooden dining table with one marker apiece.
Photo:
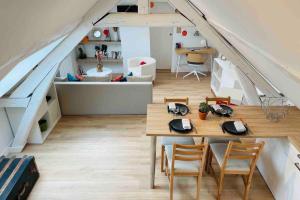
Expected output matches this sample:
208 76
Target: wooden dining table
259 127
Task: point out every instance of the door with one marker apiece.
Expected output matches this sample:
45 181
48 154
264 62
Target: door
161 46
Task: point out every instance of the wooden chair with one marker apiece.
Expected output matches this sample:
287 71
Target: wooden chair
184 100
185 160
216 100
173 140
235 158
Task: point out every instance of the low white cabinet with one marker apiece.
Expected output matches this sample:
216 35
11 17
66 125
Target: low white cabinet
279 165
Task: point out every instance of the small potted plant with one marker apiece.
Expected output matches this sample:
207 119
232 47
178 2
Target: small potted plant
203 110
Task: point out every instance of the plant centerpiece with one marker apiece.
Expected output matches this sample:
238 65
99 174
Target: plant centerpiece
203 110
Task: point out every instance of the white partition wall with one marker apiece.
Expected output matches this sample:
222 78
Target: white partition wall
135 42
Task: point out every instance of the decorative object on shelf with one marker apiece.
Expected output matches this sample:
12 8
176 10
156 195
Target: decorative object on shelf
178 29
97 34
48 98
275 108
43 125
196 33
85 40
178 45
203 110
115 34
106 34
184 33
81 55
152 4
99 55
104 50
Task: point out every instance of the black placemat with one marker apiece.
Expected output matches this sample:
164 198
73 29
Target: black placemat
182 109
229 127
176 125
227 111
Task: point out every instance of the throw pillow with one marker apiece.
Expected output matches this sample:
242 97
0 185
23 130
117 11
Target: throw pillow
118 78
70 77
142 62
130 74
79 77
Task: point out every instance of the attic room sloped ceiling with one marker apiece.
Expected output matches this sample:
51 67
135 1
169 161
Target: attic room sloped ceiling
26 26
271 28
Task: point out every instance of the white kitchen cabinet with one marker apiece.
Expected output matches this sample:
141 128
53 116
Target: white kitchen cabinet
277 166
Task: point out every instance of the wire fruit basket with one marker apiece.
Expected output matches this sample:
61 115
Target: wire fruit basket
275 108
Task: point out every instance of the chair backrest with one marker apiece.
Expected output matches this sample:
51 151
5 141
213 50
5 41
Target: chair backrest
195 58
177 100
243 151
190 153
218 100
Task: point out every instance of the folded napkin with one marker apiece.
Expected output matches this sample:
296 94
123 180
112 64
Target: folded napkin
239 126
216 107
172 106
186 124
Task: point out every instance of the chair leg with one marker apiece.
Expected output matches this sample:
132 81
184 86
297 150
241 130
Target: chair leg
162 158
207 159
247 187
198 187
220 188
171 186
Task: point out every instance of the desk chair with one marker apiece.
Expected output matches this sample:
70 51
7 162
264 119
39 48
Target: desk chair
195 60
185 160
235 158
174 140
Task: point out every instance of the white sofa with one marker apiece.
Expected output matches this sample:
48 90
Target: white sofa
141 70
96 98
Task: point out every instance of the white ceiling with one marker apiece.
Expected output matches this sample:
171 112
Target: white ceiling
29 25
271 28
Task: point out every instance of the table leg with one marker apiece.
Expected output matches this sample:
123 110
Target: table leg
211 62
178 63
153 159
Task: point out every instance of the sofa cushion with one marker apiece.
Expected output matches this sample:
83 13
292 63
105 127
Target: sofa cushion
96 79
70 77
146 78
118 78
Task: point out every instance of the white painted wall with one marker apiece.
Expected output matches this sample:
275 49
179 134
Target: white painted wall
135 42
68 65
6 135
161 46
187 41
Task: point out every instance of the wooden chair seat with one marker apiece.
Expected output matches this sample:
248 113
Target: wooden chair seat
177 140
181 166
219 151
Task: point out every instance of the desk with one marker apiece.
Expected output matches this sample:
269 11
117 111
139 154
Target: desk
259 127
183 51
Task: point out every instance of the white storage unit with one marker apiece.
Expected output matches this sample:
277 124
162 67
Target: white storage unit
224 81
49 111
279 165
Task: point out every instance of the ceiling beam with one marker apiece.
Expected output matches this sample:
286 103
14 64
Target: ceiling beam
135 19
214 37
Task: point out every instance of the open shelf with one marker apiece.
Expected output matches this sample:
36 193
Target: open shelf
95 61
49 111
106 42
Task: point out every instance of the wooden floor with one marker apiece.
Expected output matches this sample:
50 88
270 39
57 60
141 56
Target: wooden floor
107 157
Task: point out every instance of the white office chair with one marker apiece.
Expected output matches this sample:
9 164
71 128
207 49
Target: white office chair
195 60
